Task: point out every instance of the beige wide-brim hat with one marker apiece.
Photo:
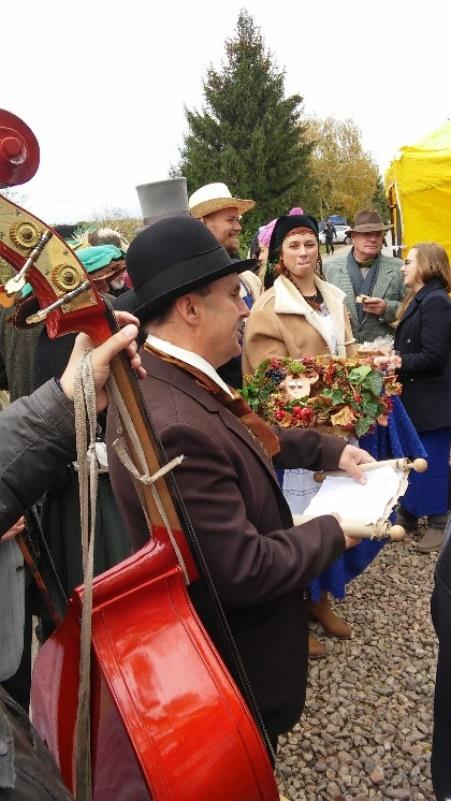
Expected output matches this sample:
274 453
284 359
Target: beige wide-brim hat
214 197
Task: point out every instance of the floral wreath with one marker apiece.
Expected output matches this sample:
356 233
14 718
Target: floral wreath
351 395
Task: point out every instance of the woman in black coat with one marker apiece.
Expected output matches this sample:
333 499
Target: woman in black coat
423 340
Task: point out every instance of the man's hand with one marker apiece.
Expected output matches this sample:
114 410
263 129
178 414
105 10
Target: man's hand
102 356
350 460
17 528
351 542
374 306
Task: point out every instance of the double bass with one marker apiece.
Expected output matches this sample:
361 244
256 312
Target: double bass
168 721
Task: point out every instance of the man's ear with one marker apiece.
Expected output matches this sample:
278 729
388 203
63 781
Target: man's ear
188 306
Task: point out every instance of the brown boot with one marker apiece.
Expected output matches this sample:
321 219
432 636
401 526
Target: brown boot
331 623
431 541
316 648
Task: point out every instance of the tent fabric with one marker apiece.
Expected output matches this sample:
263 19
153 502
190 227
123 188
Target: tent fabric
418 182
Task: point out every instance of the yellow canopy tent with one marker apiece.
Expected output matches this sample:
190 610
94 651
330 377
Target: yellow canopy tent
418 183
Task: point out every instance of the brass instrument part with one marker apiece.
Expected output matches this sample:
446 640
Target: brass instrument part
65 300
67 276
17 282
53 258
25 235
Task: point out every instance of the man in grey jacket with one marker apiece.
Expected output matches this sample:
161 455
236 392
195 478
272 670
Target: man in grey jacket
38 440
372 282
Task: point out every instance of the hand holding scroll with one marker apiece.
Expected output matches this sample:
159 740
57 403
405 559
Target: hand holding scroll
350 461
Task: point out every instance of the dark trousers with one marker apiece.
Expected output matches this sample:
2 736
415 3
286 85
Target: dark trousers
19 685
27 769
441 617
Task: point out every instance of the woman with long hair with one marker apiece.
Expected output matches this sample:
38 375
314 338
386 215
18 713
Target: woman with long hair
423 341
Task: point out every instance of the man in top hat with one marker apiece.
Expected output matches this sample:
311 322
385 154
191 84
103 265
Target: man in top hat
191 307
373 283
220 212
160 199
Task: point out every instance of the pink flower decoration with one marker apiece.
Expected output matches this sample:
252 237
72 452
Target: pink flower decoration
265 232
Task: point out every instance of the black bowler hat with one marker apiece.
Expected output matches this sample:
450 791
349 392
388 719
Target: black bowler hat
171 257
286 224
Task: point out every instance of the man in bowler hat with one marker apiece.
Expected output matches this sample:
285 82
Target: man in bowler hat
187 295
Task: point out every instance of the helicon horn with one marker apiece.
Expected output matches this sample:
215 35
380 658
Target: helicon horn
19 151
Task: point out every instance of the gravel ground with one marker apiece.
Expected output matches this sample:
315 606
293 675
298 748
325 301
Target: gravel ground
367 726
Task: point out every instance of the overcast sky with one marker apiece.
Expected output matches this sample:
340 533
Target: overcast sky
103 84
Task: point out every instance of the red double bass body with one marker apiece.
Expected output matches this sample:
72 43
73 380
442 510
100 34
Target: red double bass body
167 720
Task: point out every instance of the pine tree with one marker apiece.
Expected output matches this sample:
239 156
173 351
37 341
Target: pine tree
248 134
380 201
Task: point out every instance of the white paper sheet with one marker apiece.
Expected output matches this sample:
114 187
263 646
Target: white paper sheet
366 502
299 487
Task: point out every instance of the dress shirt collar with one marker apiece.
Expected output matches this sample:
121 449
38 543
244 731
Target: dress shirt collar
188 357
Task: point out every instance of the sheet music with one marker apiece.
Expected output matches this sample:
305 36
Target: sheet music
366 502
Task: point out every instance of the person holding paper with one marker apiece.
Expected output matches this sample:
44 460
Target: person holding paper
187 294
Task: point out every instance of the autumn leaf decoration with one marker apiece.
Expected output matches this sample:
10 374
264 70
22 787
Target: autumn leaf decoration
350 395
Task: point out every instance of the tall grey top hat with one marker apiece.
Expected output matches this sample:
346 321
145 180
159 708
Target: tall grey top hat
163 199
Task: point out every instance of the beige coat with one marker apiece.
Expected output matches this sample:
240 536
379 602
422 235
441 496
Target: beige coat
283 324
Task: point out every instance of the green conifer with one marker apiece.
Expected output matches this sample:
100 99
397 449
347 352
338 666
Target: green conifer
248 135
380 201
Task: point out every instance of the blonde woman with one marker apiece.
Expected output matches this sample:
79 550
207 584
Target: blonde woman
423 341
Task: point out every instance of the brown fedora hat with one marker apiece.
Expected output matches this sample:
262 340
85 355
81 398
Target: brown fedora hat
367 222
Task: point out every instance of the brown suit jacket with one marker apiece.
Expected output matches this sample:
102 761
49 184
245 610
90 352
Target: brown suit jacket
258 560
